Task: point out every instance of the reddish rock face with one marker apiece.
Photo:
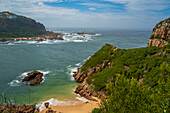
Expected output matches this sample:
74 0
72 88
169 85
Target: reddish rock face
83 90
157 42
161 34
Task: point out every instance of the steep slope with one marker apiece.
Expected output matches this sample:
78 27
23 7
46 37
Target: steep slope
12 26
130 80
161 34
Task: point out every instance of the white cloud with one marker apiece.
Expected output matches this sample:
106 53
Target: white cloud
93 9
40 3
95 4
71 17
141 5
57 16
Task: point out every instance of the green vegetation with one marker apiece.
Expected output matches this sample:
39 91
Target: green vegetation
140 62
152 36
155 37
137 81
19 26
103 55
128 96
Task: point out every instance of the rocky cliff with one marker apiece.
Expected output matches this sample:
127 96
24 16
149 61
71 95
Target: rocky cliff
12 26
143 64
90 68
161 34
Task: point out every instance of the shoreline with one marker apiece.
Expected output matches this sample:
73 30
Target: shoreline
51 36
80 107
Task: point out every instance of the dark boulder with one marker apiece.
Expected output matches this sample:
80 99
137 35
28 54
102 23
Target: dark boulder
31 76
35 76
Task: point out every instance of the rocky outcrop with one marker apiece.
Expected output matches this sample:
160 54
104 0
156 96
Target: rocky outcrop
80 76
17 109
83 89
35 76
157 42
51 36
161 34
82 33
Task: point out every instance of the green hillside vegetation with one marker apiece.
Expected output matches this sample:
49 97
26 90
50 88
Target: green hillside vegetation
150 65
12 25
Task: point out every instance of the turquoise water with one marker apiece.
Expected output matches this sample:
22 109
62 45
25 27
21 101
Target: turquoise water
57 60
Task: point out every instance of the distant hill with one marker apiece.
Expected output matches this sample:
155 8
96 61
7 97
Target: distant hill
12 25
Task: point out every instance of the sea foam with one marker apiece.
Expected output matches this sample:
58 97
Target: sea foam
55 102
18 80
68 37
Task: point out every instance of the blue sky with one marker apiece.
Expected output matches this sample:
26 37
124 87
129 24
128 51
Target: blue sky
117 14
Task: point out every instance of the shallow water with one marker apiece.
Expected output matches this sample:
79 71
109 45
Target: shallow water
57 59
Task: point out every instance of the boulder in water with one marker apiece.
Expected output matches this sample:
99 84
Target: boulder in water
35 76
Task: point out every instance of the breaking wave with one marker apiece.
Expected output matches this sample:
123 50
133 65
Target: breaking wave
18 80
55 102
72 69
68 37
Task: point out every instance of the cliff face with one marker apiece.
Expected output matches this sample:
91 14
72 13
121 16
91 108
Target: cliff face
12 25
143 64
161 34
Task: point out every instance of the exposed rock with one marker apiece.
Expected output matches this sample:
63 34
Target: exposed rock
157 42
31 75
50 111
161 34
91 72
126 67
46 104
35 76
81 33
52 36
17 109
83 89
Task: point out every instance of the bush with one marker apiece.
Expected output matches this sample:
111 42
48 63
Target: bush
128 96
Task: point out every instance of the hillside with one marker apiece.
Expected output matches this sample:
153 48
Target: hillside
12 26
127 80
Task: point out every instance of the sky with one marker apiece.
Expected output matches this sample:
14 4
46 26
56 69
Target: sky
117 14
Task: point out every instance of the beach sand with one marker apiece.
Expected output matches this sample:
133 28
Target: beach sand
78 108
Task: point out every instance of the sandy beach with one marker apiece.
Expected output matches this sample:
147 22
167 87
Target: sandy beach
78 108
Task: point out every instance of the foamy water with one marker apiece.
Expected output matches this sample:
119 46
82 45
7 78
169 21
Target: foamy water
18 80
68 37
55 102
59 58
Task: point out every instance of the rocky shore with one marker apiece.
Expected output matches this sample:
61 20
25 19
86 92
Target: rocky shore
51 36
10 108
84 89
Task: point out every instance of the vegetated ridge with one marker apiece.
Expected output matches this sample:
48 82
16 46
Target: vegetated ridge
13 26
128 80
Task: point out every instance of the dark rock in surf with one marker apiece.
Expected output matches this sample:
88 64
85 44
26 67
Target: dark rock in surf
35 76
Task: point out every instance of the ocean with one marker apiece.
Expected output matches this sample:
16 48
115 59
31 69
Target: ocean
57 59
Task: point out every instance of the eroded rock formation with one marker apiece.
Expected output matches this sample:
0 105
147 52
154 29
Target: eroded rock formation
161 34
84 89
